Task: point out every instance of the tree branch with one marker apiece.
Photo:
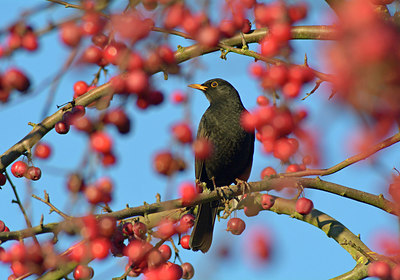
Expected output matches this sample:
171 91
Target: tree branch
174 208
347 162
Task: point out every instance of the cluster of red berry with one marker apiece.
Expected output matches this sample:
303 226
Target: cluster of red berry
366 58
143 257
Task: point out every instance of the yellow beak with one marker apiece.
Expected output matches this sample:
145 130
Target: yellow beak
197 86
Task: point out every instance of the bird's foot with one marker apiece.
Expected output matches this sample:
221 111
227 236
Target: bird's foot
244 184
221 194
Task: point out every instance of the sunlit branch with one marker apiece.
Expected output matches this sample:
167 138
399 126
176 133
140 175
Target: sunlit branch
174 208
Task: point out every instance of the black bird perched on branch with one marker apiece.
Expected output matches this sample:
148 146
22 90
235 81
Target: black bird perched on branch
232 155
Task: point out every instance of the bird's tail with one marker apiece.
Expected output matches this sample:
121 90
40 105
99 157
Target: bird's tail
202 233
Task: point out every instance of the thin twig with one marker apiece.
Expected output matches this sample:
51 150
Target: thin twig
66 4
250 53
347 162
53 208
18 201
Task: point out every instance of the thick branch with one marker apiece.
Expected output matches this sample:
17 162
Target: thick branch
158 209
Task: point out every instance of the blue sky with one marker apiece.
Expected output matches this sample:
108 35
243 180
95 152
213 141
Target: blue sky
300 250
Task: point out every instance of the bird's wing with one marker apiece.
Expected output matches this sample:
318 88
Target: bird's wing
202 133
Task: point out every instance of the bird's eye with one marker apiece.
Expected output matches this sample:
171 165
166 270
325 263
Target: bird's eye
214 84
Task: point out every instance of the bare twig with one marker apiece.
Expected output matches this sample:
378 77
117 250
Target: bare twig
347 162
18 201
48 203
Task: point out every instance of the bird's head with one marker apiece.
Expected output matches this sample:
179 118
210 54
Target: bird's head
218 90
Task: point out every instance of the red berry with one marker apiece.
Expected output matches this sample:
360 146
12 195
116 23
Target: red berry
278 74
304 206
140 230
291 89
80 88
192 23
178 97
83 124
208 36
248 121
108 159
101 142
163 163
283 149
185 242
33 173
42 150
107 226
396 272
283 122
292 168
118 118
30 41
14 41
166 229
127 229
267 201
187 220
19 168
70 34
182 132
100 40
62 127
236 226
166 54
136 250
165 251
260 245
19 268
298 11
202 148
115 52
187 193
269 47
379 269
137 81
83 272
262 100
3 179
100 247
93 194
92 23
281 31
14 78
256 70
267 171
155 97
2 226
188 271
227 28
75 183
171 271
174 16
154 259
135 61
92 54
78 111
118 84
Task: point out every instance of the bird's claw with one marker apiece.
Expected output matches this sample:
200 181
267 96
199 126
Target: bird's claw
246 186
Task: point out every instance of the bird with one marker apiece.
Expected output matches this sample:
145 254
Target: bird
232 155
